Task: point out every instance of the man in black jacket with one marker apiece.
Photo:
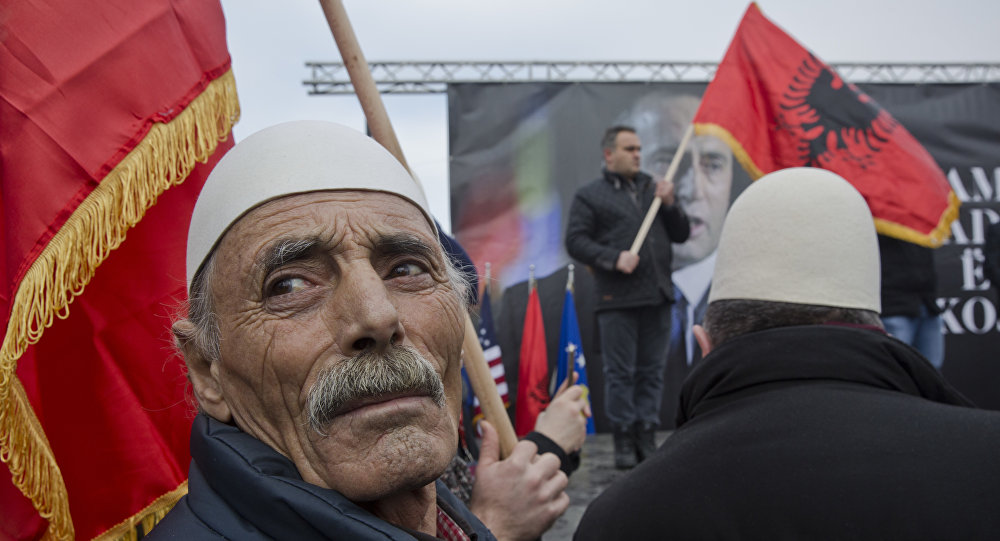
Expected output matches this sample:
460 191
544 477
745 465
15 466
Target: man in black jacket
804 420
634 291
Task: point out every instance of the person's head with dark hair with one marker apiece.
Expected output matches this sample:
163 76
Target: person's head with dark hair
798 248
621 148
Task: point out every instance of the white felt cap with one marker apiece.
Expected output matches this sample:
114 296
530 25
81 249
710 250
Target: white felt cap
803 236
286 159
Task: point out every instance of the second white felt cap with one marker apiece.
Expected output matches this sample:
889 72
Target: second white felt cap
799 235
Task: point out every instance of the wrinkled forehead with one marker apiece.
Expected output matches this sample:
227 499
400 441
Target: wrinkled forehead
354 216
287 159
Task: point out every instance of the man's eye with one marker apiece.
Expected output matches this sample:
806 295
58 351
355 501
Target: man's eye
285 286
406 269
713 163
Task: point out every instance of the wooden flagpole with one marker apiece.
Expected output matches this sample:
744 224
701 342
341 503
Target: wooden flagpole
655 206
382 131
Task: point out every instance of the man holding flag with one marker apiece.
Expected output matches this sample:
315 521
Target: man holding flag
804 419
634 292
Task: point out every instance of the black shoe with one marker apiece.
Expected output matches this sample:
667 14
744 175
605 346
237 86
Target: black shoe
645 441
625 450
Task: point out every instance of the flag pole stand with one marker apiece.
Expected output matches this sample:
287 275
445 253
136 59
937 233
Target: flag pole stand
382 131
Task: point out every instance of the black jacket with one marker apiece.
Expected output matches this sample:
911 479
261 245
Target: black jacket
239 488
909 278
991 254
818 432
604 220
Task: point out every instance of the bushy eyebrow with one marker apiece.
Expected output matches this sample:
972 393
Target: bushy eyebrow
404 244
284 251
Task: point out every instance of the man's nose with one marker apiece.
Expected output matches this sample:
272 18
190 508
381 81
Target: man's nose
687 189
366 318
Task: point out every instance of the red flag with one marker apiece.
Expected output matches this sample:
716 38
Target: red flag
105 109
533 372
779 106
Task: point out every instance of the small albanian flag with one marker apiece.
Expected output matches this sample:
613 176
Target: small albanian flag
778 106
533 374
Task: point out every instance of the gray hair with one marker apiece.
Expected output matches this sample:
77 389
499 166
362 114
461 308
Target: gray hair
728 319
202 332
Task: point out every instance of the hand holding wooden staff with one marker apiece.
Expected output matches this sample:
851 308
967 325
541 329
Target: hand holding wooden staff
663 189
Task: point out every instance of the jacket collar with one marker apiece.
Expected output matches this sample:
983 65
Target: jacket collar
618 181
754 362
233 469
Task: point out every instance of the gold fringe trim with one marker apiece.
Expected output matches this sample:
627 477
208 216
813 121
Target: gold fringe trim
701 128
27 453
127 530
163 159
934 239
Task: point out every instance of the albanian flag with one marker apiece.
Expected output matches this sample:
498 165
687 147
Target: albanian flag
779 106
112 113
533 369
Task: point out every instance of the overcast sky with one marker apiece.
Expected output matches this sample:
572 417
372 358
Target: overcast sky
270 42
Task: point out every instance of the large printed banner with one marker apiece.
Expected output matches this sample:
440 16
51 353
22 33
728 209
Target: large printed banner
519 152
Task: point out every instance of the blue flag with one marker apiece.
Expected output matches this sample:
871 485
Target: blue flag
571 350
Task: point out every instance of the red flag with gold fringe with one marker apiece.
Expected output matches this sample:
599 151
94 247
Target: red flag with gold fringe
779 106
111 115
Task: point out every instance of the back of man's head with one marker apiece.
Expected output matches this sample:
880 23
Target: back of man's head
798 247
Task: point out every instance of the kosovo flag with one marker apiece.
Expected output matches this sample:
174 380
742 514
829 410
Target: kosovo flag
778 106
571 350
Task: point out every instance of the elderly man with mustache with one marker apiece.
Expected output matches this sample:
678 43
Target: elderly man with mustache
323 344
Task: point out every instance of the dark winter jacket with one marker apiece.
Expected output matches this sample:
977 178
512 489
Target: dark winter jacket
240 488
909 279
818 432
604 220
991 255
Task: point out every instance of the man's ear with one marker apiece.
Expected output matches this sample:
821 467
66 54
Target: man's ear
202 373
701 336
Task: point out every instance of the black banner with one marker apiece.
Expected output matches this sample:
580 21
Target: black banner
520 151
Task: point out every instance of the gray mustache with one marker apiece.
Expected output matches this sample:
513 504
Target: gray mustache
370 374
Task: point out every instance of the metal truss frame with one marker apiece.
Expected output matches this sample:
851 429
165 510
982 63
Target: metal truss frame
434 77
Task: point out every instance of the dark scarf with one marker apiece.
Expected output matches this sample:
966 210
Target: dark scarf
813 352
